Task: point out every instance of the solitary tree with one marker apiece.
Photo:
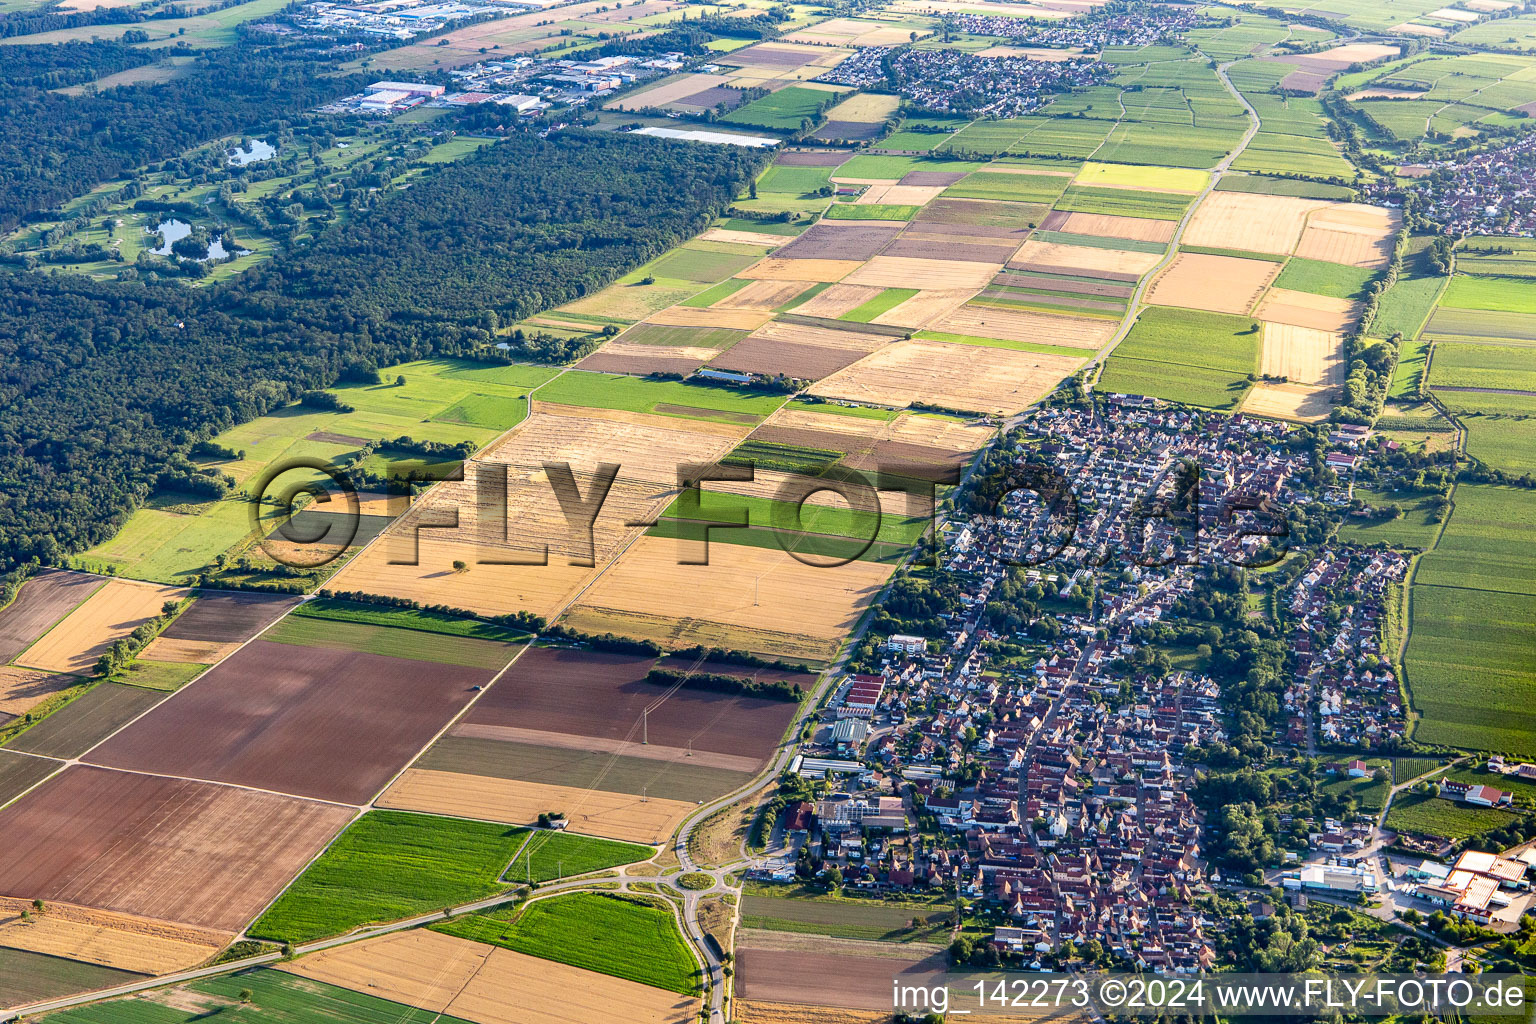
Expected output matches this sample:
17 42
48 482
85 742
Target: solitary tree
459 565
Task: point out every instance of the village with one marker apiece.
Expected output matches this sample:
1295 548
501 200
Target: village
1490 192
951 81
1046 772
1116 24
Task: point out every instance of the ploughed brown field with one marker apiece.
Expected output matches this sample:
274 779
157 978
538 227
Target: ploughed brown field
834 240
328 724
798 350
43 600
228 618
601 694
189 852
820 979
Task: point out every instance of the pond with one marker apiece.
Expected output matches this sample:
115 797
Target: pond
172 231
259 151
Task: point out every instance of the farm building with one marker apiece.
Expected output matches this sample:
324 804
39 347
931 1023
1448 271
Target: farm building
1477 795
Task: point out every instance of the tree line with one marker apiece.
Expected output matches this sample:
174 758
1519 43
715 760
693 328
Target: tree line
104 384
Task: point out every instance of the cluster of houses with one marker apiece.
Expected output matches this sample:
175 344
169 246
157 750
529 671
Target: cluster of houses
1489 192
1053 787
951 81
1342 674
1137 24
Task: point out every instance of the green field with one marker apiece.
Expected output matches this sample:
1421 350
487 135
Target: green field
1414 812
779 178
1124 202
844 918
785 110
623 936
1270 186
838 520
406 618
1405 769
1018 188
1368 793
1319 278
362 637
882 303
552 855
389 865
871 211
1185 356
1501 429
275 998
1479 581
176 541
1461 365
1495 294
676 398
698 265
27 977
1271 153
1416 528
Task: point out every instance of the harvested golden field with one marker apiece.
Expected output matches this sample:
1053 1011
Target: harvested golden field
648 446
487 985
938 431
1295 402
787 1013
837 300
187 652
852 32
1085 257
670 90
591 812
22 689
1256 223
763 295
969 377
1350 233
1218 284
109 614
925 306
1303 355
900 195
923 274
484 589
762 590
732 236
1103 225
1027 326
619 356
1303 309
822 337
811 271
123 941
419 968
694 316
863 106
516 989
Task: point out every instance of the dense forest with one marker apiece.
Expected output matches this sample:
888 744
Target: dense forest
104 384
93 138
54 65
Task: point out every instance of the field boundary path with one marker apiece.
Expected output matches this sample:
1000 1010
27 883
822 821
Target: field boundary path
1133 307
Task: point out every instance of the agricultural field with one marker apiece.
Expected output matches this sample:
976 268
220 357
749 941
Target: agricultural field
785 110
453 979
1477 578
175 537
843 918
192 853
332 722
625 936
1430 815
42 601
275 995
110 613
1186 356
389 865
87 719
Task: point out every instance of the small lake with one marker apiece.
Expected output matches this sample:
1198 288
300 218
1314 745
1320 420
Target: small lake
259 151
173 231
